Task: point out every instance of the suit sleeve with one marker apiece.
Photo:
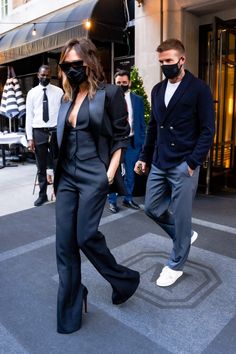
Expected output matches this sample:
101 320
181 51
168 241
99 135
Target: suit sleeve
117 110
29 116
141 120
205 115
151 136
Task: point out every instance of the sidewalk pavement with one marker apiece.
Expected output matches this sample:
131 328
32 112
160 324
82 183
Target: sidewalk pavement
197 315
16 185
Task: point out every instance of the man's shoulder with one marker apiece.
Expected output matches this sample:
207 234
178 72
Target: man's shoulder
157 87
33 90
56 88
195 80
138 97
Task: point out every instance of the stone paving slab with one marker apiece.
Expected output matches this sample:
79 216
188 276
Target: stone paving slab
184 318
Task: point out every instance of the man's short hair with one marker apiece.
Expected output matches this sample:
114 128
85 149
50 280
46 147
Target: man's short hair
171 43
122 73
45 67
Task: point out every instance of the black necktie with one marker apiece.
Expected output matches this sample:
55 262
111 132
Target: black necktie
45 106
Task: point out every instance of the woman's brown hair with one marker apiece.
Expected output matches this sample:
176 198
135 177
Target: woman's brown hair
88 53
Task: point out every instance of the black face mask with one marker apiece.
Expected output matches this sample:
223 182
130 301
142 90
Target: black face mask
76 75
171 71
44 81
124 88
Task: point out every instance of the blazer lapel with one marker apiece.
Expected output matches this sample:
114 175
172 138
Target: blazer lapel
96 111
132 99
160 102
65 106
179 93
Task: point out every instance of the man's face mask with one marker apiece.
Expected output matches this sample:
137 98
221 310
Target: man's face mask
172 70
124 88
75 72
44 81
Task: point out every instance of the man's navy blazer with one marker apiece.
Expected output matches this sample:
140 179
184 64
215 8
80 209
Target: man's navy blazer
182 131
108 122
139 126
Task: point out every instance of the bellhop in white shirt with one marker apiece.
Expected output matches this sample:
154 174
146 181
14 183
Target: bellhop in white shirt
34 108
39 131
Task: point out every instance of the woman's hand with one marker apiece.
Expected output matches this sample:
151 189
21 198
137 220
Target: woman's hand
114 164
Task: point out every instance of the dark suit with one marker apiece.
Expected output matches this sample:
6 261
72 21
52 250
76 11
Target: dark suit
81 187
133 150
178 136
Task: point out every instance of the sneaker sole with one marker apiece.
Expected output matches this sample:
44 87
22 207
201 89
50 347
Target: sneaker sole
168 283
194 237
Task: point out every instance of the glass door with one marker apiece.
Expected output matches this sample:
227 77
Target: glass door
219 70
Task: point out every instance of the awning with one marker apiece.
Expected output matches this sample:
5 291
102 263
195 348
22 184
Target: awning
107 24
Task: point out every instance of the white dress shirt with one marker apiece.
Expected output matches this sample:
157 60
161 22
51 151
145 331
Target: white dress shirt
34 108
130 112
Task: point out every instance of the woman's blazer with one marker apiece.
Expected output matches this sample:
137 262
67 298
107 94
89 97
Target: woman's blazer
108 120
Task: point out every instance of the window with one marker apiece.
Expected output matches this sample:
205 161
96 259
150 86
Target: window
4 8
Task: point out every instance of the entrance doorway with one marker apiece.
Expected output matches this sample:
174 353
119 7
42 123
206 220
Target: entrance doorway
217 66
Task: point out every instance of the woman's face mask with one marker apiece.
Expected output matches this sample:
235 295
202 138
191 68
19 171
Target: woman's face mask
75 72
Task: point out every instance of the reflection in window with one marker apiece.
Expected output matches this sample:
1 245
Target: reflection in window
4 8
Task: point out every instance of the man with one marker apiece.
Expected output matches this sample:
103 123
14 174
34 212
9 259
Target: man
42 106
135 108
179 135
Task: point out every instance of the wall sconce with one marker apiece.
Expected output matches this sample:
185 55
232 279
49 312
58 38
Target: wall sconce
140 2
34 32
87 24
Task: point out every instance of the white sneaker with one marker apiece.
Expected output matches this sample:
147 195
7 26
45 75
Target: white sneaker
168 276
194 237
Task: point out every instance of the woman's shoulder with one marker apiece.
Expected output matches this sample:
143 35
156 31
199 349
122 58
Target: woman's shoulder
109 87
111 90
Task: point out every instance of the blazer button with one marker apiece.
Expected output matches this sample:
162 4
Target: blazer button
172 144
171 128
162 126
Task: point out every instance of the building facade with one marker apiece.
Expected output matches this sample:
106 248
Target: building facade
208 31
127 32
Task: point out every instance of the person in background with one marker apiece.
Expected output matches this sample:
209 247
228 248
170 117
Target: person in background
42 106
179 136
92 133
135 107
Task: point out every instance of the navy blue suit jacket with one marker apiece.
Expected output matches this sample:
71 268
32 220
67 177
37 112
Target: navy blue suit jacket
182 131
138 122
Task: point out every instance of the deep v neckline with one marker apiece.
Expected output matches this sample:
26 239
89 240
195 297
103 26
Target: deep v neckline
77 114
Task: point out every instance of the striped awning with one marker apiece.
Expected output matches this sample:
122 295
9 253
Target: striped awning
12 102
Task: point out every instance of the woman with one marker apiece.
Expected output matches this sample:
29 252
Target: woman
92 131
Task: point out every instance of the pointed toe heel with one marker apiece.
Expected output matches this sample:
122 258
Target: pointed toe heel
85 300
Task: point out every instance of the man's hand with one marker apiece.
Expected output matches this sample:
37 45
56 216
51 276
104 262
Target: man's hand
140 168
190 171
31 146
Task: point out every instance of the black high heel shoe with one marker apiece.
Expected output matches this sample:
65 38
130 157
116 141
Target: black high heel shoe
85 296
72 319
